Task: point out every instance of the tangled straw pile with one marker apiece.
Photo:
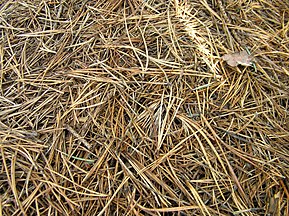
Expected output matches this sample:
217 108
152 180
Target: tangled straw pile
127 108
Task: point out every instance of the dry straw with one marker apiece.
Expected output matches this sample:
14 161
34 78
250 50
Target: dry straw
127 108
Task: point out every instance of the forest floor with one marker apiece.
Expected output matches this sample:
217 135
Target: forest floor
144 107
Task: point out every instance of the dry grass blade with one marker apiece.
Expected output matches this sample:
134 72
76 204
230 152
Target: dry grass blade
127 107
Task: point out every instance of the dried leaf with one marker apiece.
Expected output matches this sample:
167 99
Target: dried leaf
237 58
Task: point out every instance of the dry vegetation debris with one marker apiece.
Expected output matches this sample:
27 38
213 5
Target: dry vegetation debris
127 108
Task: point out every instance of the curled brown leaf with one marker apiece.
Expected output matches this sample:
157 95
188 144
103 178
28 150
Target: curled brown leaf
238 58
